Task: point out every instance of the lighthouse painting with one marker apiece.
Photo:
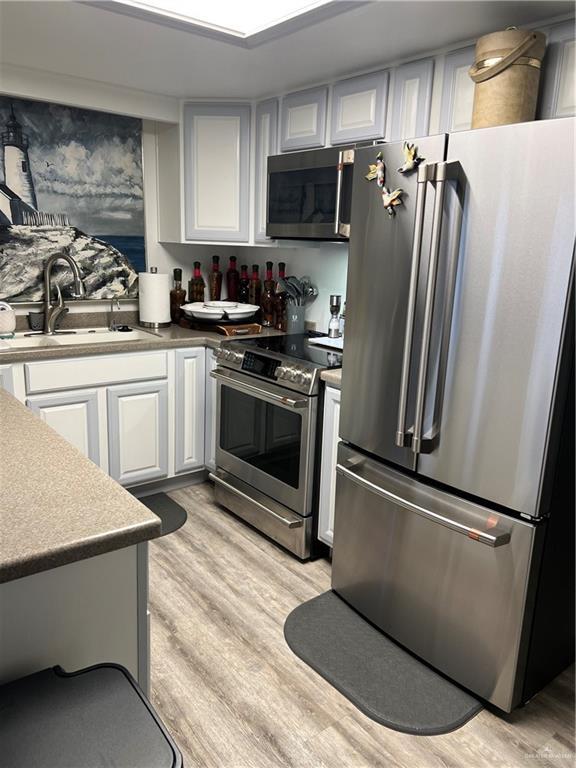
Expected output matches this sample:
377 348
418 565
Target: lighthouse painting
70 182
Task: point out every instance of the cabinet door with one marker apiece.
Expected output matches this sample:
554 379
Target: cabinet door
457 91
328 465
189 415
558 94
138 431
6 378
74 415
210 423
359 108
303 119
216 171
412 94
266 145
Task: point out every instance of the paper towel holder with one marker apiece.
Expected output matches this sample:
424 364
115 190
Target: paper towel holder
155 325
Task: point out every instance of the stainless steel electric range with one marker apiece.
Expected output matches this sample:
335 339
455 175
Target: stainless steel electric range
268 425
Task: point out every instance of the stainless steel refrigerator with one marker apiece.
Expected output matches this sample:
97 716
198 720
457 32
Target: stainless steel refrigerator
452 533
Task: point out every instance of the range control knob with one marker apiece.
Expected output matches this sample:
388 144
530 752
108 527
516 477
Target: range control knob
281 372
237 357
292 373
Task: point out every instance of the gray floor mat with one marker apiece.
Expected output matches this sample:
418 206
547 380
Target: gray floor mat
383 680
172 515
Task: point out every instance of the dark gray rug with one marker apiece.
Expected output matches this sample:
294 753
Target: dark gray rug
172 515
383 680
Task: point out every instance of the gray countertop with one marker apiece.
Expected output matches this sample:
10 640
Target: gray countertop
164 338
332 378
56 506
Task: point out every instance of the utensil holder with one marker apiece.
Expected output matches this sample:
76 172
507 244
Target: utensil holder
295 318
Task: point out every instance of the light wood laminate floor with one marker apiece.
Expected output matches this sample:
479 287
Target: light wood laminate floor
234 696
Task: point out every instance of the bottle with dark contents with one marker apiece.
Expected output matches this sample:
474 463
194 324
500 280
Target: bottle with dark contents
280 302
232 280
177 297
197 285
267 302
215 280
244 285
255 287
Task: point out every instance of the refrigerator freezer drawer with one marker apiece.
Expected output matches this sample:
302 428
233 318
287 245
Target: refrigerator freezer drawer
446 578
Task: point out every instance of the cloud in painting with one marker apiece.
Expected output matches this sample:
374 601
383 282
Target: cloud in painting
86 164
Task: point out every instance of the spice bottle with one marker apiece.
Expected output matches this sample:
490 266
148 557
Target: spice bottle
215 280
232 280
196 285
177 297
267 302
244 285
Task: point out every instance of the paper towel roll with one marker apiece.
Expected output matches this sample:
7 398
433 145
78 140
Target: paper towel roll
154 299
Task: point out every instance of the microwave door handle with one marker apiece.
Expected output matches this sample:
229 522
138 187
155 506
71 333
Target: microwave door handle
443 172
345 157
425 172
340 169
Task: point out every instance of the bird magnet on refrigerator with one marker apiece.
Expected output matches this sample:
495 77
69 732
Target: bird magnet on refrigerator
411 158
390 199
377 170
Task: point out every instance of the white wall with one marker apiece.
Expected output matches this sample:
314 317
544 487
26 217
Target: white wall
324 263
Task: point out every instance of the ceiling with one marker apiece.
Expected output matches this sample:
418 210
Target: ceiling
100 44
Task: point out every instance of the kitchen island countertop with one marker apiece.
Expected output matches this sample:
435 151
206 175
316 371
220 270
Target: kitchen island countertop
56 506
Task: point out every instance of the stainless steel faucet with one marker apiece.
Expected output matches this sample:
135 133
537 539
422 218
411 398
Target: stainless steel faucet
112 324
53 311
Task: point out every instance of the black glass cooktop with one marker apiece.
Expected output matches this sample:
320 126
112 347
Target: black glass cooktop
297 346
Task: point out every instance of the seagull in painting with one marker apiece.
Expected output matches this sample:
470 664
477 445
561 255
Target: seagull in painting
411 159
391 199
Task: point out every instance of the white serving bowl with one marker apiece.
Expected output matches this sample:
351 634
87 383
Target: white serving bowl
202 311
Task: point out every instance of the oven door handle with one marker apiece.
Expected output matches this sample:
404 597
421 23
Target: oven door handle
288 402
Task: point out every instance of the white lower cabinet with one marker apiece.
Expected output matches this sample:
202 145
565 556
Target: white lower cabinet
189 412
210 412
74 415
138 432
146 416
331 420
6 378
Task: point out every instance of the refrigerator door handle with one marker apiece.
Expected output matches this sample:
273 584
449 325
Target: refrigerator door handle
425 174
444 172
492 537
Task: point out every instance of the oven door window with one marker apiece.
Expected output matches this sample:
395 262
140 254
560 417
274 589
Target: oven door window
262 434
305 196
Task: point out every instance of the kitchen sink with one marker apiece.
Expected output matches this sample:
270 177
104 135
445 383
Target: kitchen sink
81 336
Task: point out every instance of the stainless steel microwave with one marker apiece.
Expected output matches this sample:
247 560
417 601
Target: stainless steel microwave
309 194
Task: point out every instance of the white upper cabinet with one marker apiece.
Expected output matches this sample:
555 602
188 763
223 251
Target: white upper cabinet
266 145
457 91
412 95
216 171
303 119
359 108
559 85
